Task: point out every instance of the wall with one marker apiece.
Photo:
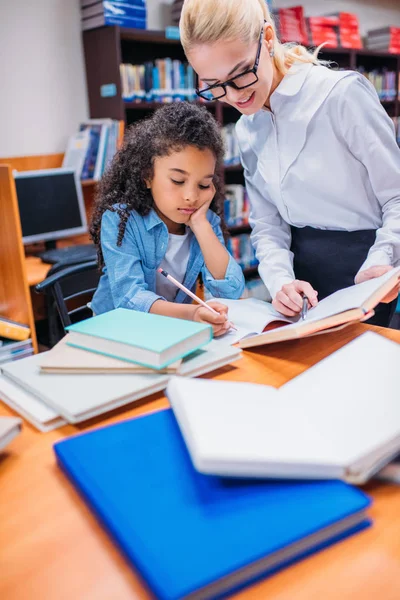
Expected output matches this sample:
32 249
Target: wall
42 76
371 13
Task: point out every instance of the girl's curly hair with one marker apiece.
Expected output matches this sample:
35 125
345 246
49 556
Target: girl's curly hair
169 129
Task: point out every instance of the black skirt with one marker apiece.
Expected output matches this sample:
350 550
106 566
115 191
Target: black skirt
329 261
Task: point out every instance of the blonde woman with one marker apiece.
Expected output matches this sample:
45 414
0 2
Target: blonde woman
321 163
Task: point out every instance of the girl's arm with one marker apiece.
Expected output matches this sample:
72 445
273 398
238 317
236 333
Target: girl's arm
216 256
222 276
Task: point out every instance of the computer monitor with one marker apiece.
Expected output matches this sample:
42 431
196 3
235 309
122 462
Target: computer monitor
50 205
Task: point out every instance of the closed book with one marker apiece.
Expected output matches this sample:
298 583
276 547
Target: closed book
13 330
192 536
81 397
340 419
64 359
151 340
10 427
29 406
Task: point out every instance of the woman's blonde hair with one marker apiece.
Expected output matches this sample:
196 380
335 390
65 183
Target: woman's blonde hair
208 21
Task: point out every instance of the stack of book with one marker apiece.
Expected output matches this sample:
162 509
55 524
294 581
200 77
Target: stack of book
291 25
126 13
384 81
90 151
15 342
236 205
164 80
107 362
348 30
324 30
239 480
386 39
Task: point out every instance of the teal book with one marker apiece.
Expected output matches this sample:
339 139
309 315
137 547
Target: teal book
151 340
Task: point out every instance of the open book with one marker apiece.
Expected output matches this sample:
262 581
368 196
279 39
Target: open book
340 419
350 305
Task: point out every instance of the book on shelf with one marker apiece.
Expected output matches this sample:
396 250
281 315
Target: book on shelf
236 205
192 536
77 148
13 330
164 80
92 148
384 39
130 13
291 24
384 81
242 250
316 426
349 305
231 144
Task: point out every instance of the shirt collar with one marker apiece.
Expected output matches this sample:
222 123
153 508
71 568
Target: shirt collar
151 219
293 81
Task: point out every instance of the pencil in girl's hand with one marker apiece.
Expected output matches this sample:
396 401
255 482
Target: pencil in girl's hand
189 293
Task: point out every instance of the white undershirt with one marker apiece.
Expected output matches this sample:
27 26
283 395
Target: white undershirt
175 263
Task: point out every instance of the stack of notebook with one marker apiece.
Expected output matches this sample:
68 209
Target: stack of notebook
91 371
243 480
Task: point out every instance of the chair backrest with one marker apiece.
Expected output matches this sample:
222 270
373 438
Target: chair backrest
70 289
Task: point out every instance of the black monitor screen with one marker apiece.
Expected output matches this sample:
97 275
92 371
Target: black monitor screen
50 205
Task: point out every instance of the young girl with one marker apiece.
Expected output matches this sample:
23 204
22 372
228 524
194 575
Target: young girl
160 205
321 162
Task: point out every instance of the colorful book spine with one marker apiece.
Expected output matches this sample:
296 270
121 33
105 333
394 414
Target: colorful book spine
164 80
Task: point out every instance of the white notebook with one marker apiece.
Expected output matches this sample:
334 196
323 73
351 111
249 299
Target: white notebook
81 397
339 419
346 306
29 406
10 427
49 400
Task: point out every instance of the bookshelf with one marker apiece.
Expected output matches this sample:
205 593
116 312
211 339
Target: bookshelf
107 47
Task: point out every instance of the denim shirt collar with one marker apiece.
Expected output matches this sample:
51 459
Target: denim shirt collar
152 220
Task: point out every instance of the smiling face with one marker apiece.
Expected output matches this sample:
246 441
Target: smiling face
182 182
224 60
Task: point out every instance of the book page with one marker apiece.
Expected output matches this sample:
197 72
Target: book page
352 297
250 316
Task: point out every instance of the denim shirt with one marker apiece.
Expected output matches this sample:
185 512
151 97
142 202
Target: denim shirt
129 275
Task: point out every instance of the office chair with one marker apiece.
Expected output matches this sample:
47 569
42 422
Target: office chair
68 291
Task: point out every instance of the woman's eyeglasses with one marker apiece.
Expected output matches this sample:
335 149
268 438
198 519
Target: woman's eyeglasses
239 82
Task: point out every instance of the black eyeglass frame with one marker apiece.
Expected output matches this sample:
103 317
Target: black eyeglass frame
231 82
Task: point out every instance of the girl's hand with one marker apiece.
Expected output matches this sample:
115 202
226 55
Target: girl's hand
289 300
200 215
377 271
219 322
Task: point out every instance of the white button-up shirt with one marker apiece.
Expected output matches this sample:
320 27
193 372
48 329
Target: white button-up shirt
326 157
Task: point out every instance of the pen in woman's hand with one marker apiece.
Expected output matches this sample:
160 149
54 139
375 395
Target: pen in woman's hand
304 308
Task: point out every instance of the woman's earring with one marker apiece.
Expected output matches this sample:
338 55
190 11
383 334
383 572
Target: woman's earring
272 53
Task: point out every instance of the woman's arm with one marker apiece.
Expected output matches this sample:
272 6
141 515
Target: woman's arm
369 134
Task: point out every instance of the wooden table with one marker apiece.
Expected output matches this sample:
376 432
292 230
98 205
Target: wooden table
52 548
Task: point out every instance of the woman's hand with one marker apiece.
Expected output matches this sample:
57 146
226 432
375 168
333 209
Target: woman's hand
289 300
219 322
377 271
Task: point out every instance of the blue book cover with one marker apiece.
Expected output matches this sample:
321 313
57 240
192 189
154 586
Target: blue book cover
139 336
186 532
